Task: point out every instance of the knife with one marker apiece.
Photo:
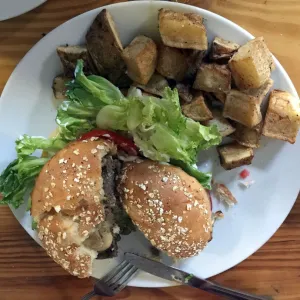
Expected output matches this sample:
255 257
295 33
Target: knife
161 270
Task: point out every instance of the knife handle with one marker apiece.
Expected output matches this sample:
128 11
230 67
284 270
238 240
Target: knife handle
228 293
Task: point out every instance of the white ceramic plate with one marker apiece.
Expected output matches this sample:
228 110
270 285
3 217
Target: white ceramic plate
26 106
13 8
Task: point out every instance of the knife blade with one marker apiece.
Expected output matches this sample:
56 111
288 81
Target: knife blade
158 269
163 271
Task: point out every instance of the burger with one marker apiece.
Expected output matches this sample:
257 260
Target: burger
85 197
75 207
169 206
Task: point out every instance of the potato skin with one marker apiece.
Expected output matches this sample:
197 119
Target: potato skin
171 63
213 78
105 47
234 155
140 57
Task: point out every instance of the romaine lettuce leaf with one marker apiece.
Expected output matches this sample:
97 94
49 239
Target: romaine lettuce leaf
26 145
203 178
86 96
158 126
18 179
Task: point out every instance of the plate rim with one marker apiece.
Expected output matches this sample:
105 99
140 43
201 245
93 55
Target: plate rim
175 5
29 8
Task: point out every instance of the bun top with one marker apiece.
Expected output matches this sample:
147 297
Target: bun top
170 207
67 203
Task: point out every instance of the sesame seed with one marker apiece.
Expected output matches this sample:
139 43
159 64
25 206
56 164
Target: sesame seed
175 188
165 179
100 147
73 165
188 206
76 179
142 186
53 184
64 235
151 195
179 219
93 138
85 158
76 151
50 218
93 151
57 208
68 197
46 190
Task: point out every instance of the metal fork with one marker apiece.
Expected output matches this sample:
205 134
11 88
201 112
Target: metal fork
113 282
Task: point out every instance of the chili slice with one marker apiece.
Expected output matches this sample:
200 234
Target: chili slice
123 143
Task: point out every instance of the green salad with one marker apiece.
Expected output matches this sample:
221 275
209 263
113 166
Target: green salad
157 126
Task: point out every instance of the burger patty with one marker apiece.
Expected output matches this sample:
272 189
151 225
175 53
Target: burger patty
111 167
116 218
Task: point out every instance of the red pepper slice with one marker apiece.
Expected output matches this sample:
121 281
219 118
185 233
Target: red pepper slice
123 143
244 174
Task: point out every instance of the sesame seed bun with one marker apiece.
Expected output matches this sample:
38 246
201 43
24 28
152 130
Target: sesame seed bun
170 207
67 204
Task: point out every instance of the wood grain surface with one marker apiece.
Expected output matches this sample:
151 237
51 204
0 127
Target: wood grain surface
26 272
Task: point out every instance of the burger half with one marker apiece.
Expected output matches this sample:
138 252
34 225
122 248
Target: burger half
74 205
170 207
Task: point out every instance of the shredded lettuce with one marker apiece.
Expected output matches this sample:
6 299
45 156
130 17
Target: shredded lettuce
158 126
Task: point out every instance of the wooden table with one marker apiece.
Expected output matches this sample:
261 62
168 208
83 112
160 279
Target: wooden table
26 272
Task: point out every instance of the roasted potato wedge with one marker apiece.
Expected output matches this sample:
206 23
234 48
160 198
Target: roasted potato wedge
197 109
59 86
251 65
182 30
234 155
222 49
220 96
184 92
105 47
242 108
248 137
261 92
223 125
155 85
282 120
194 59
171 63
69 56
213 78
140 57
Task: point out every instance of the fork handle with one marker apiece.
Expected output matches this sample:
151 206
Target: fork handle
228 293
